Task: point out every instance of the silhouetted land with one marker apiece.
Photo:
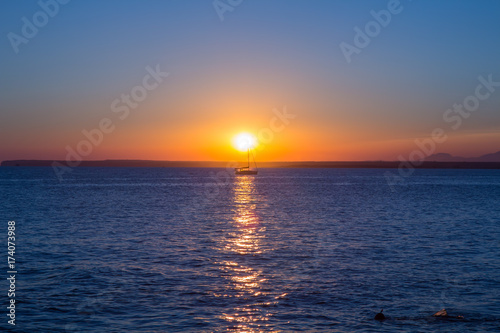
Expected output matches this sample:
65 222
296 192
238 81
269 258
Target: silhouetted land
188 164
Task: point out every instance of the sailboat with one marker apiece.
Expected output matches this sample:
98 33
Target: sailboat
246 169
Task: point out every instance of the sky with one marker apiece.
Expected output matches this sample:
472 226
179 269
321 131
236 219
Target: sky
314 80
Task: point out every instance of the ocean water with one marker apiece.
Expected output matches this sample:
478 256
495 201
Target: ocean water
290 250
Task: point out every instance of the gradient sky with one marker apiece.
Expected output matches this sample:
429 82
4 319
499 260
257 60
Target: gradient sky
227 76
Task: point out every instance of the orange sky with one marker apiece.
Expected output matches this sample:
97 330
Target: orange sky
227 77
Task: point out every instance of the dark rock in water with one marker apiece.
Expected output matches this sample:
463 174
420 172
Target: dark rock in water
444 314
441 313
380 315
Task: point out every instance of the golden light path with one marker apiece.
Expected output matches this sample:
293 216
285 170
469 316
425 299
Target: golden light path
246 282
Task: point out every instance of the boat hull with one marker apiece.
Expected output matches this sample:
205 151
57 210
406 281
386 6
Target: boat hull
245 172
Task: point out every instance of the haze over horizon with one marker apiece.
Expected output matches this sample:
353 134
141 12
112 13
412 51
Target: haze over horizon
204 79
437 157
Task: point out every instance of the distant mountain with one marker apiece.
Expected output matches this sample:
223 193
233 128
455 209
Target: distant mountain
440 160
430 164
444 157
495 157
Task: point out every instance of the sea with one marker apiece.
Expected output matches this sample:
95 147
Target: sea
288 250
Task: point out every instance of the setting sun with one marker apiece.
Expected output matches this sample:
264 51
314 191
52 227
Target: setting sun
244 141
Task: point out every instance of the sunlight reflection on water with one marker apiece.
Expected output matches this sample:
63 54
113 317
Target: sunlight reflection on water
245 241
290 250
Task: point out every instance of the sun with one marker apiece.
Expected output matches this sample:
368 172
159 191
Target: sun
244 141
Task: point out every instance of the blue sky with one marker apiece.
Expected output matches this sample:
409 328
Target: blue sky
275 51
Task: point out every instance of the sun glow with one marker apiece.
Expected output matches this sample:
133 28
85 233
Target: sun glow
244 141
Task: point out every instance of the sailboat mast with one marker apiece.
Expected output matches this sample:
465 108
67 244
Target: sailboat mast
248 158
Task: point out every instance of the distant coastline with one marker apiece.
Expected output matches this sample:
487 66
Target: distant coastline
304 164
